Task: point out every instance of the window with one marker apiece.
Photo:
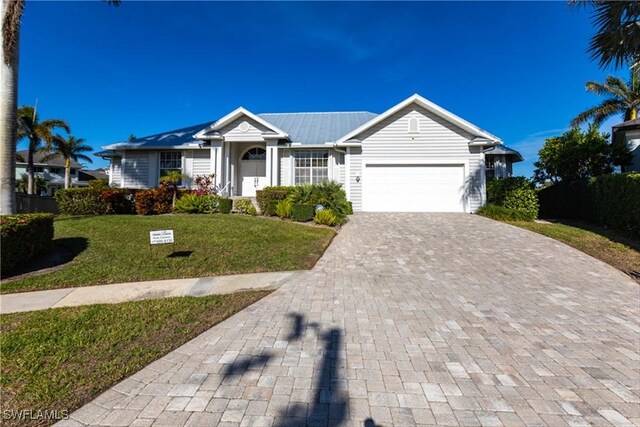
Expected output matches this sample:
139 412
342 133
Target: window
489 167
311 167
256 153
38 169
56 170
170 161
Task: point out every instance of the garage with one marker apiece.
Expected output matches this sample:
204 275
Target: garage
413 188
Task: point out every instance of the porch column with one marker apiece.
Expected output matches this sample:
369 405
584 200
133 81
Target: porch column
227 167
272 163
216 162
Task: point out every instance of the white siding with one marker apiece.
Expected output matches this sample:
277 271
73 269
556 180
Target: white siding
234 130
438 140
355 178
136 169
116 175
338 167
285 167
201 162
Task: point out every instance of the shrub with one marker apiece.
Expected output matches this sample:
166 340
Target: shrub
513 193
244 206
302 212
283 209
607 200
349 208
23 237
206 184
225 205
80 201
331 195
155 201
303 194
500 213
197 204
99 184
271 208
326 217
266 196
118 200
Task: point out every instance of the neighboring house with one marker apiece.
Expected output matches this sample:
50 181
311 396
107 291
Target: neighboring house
499 161
415 156
629 133
52 171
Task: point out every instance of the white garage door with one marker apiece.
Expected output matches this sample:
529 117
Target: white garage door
413 188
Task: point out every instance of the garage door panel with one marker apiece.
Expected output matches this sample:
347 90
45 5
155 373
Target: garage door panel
413 188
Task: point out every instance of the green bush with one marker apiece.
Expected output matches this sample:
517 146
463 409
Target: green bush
349 208
500 213
271 208
225 205
197 204
302 212
607 200
80 201
325 217
329 194
513 193
268 195
283 209
99 184
119 201
244 206
23 237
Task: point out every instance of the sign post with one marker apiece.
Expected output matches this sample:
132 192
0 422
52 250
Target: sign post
161 237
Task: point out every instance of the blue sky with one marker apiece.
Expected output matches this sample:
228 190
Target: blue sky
516 69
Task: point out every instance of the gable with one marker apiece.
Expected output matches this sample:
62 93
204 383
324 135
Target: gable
243 129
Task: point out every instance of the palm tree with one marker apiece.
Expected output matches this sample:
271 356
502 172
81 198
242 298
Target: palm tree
11 11
36 131
173 178
617 38
622 98
69 149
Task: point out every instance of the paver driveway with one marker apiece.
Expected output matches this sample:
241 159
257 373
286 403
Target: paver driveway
410 319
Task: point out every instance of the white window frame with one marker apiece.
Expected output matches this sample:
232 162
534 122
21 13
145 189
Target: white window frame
180 158
312 156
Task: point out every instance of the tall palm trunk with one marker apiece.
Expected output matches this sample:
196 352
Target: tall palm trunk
30 172
67 173
9 36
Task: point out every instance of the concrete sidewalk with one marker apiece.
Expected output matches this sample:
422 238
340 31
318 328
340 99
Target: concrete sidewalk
136 291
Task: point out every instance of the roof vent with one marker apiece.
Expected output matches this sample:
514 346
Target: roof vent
413 125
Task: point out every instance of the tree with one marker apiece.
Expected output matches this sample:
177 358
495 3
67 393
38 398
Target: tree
576 154
617 38
69 149
40 184
11 11
621 98
36 132
174 179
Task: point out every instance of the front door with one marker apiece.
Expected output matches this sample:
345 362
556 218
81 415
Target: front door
253 171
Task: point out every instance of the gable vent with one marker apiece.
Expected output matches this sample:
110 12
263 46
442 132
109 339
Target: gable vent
413 125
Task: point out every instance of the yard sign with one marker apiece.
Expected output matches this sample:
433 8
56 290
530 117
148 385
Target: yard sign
159 237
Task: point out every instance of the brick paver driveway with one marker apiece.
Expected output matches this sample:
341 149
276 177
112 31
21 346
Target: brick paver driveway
410 319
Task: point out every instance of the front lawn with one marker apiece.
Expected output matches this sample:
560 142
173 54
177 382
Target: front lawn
605 245
60 359
115 248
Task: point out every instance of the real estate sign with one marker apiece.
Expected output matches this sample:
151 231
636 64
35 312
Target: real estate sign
159 237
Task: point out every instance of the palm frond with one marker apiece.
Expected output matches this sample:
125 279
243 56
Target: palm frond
600 113
56 123
78 157
11 31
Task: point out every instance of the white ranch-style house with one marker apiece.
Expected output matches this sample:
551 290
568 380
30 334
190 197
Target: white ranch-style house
414 157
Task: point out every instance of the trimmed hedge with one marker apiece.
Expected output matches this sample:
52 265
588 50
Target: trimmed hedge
23 237
267 196
244 206
608 200
197 204
96 201
302 212
225 206
500 213
155 201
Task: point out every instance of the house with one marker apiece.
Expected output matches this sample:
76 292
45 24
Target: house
52 171
629 133
416 156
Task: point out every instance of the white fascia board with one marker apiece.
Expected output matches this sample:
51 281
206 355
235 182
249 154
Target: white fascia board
428 105
235 114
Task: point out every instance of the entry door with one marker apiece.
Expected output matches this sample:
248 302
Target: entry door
253 176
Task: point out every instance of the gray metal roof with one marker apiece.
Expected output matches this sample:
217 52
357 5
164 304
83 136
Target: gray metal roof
504 150
629 124
172 138
318 128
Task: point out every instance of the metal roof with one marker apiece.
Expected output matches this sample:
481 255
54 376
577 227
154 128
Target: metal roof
504 150
629 124
173 138
318 128
57 161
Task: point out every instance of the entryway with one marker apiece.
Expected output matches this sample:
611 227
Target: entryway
253 171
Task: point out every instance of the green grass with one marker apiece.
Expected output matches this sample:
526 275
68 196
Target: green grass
60 359
606 245
115 248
